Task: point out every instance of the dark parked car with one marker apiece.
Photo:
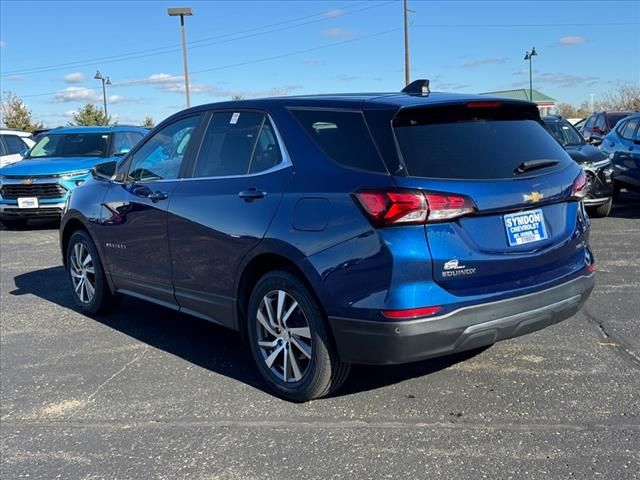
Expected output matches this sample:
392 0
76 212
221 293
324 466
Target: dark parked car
596 165
600 124
331 230
623 147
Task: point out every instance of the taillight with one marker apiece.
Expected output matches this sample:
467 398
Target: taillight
483 104
411 313
401 207
579 189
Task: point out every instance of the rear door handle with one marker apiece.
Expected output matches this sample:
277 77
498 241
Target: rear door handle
251 194
156 196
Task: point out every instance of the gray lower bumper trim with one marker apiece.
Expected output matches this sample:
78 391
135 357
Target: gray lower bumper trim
389 342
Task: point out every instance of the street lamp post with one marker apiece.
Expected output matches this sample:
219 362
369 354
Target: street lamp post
529 56
105 81
182 12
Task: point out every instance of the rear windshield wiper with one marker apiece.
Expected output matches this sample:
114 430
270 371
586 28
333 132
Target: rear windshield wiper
533 165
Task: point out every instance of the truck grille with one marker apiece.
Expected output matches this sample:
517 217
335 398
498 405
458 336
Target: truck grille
39 190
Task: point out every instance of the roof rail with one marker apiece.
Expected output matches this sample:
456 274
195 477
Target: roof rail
418 87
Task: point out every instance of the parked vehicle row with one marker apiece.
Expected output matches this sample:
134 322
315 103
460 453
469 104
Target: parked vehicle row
622 145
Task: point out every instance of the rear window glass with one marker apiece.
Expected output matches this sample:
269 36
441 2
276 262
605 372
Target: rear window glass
615 118
343 137
474 147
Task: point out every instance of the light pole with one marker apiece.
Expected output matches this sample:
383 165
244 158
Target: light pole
182 12
105 81
529 56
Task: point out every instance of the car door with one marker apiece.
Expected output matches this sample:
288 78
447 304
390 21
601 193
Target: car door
133 223
223 211
626 158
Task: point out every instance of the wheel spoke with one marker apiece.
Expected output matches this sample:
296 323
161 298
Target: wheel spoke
288 313
269 308
300 345
79 284
281 297
74 273
90 290
300 331
271 358
82 290
263 321
285 364
295 368
90 270
268 344
87 260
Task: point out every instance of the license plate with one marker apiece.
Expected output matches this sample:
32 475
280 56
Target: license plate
525 227
28 202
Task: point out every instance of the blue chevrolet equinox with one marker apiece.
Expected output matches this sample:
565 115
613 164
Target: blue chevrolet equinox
338 229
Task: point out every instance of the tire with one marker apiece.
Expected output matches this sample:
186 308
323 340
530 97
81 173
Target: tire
616 190
601 210
304 361
101 299
14 223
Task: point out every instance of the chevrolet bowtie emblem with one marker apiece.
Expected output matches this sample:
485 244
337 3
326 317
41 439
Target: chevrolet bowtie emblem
533 197
27 181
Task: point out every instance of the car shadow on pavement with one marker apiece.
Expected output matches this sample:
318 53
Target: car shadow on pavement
626 206
205 344
37 224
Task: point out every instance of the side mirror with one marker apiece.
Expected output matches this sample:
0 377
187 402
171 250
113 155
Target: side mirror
636 140
23 153
595 141
105 171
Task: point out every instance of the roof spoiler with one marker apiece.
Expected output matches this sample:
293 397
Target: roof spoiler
418 87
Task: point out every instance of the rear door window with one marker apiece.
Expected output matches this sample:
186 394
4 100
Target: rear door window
630 129
459 143
14 144
343 136
600 123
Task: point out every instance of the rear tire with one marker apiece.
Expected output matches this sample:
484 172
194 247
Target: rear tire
601 210
291 341
86 276
14 223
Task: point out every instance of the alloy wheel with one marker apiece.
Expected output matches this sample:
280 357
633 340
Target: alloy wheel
284 336
83 274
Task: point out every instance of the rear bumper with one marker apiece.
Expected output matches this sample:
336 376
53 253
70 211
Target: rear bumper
389 342
45 210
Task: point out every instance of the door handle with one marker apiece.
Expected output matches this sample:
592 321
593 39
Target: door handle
156 196
252 194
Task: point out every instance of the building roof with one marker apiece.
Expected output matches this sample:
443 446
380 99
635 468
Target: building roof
522 94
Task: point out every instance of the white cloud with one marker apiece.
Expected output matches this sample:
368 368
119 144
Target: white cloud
76 94
337 32
74 77
15 78
336 12
153 79
484 61
2 44
570 41
311 61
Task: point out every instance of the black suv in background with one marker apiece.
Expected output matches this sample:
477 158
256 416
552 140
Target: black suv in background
600 124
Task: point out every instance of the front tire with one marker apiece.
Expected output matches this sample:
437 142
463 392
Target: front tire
86 276
601 210
290 339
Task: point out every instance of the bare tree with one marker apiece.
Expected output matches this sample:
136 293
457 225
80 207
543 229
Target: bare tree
624 97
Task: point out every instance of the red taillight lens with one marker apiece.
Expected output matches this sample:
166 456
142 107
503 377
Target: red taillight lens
483 104
579 189
393 207
411 313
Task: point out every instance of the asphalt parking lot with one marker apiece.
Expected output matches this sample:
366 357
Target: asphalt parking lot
148 393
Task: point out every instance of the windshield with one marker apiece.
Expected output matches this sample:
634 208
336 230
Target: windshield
71 145
564 133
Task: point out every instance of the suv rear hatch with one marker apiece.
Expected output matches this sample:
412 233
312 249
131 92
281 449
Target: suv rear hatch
501 195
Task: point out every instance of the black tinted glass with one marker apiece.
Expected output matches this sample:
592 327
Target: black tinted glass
267 153
14 144
564 133
72 145
630 129
343 136
476 149
614 118
228 144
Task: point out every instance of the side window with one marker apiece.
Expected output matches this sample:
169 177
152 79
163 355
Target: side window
589 124
134 138
228 144
121 143
161 156
343 137
621 127
630 129
14 144
601 123
267 153
3 150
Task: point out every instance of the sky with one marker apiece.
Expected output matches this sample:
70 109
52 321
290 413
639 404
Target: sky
50 50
